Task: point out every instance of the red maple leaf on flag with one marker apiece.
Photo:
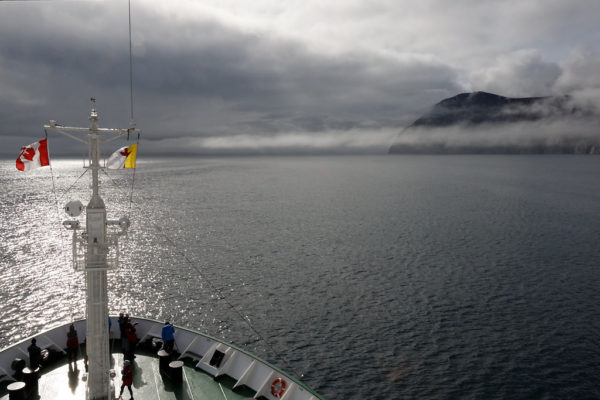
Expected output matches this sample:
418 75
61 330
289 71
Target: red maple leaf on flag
27 152
33 156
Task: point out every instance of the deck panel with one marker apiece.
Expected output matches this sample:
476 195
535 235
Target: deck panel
238 368
61 382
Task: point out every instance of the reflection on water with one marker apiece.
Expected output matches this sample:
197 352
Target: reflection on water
374 277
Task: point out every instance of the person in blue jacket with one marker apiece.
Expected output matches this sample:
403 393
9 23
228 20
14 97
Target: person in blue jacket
168 338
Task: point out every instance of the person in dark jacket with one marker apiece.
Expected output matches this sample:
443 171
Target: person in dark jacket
35 355
72 345
122 324
127 378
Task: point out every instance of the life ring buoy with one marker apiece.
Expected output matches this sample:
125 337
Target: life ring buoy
278 387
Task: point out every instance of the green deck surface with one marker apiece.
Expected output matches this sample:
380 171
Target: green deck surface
60 382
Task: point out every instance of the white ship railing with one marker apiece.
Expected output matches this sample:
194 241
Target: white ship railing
245 368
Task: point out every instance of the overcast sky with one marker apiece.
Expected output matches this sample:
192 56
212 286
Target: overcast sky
263 76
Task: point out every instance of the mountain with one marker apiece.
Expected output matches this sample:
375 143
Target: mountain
485 116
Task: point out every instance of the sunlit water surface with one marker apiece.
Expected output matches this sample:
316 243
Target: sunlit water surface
372 277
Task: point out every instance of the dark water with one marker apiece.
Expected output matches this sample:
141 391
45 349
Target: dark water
442 277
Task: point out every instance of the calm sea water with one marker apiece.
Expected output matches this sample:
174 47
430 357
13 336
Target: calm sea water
391 277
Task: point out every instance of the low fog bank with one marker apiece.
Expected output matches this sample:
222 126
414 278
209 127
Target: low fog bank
565 136
353 141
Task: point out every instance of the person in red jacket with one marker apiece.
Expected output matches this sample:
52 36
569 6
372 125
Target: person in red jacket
131 340
72 345
127 377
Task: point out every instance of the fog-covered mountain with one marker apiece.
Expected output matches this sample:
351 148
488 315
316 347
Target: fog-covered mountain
483 122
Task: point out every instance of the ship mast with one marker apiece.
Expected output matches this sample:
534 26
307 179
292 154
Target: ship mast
95 251
97 345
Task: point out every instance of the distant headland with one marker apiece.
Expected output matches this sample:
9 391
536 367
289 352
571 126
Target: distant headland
486 123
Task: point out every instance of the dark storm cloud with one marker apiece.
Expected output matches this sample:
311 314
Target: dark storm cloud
51 62
198 79
258 83
220 76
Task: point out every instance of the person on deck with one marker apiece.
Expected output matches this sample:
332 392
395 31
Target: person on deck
72 345
131 340
35 355
127 377
122 324
168 337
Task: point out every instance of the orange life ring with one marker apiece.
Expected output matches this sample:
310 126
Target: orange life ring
278 387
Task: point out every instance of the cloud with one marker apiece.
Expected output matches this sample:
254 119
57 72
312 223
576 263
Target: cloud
523 73
205 79
267 69
581 77
542 136
364 140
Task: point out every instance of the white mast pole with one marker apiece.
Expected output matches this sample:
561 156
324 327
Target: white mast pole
95 276
96 242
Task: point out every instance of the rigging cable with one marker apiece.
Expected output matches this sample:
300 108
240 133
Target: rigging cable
71 187
131 120
62 238
130 66
216 290
213 287
52 175
222 297
137 145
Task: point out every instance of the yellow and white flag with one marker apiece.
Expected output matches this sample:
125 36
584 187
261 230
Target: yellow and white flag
123 158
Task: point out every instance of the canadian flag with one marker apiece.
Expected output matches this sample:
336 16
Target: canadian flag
33 156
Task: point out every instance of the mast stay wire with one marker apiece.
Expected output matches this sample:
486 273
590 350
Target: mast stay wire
132 125
130 68
133 176
74 183
216 290
222 297
131 119
167 238
62 238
